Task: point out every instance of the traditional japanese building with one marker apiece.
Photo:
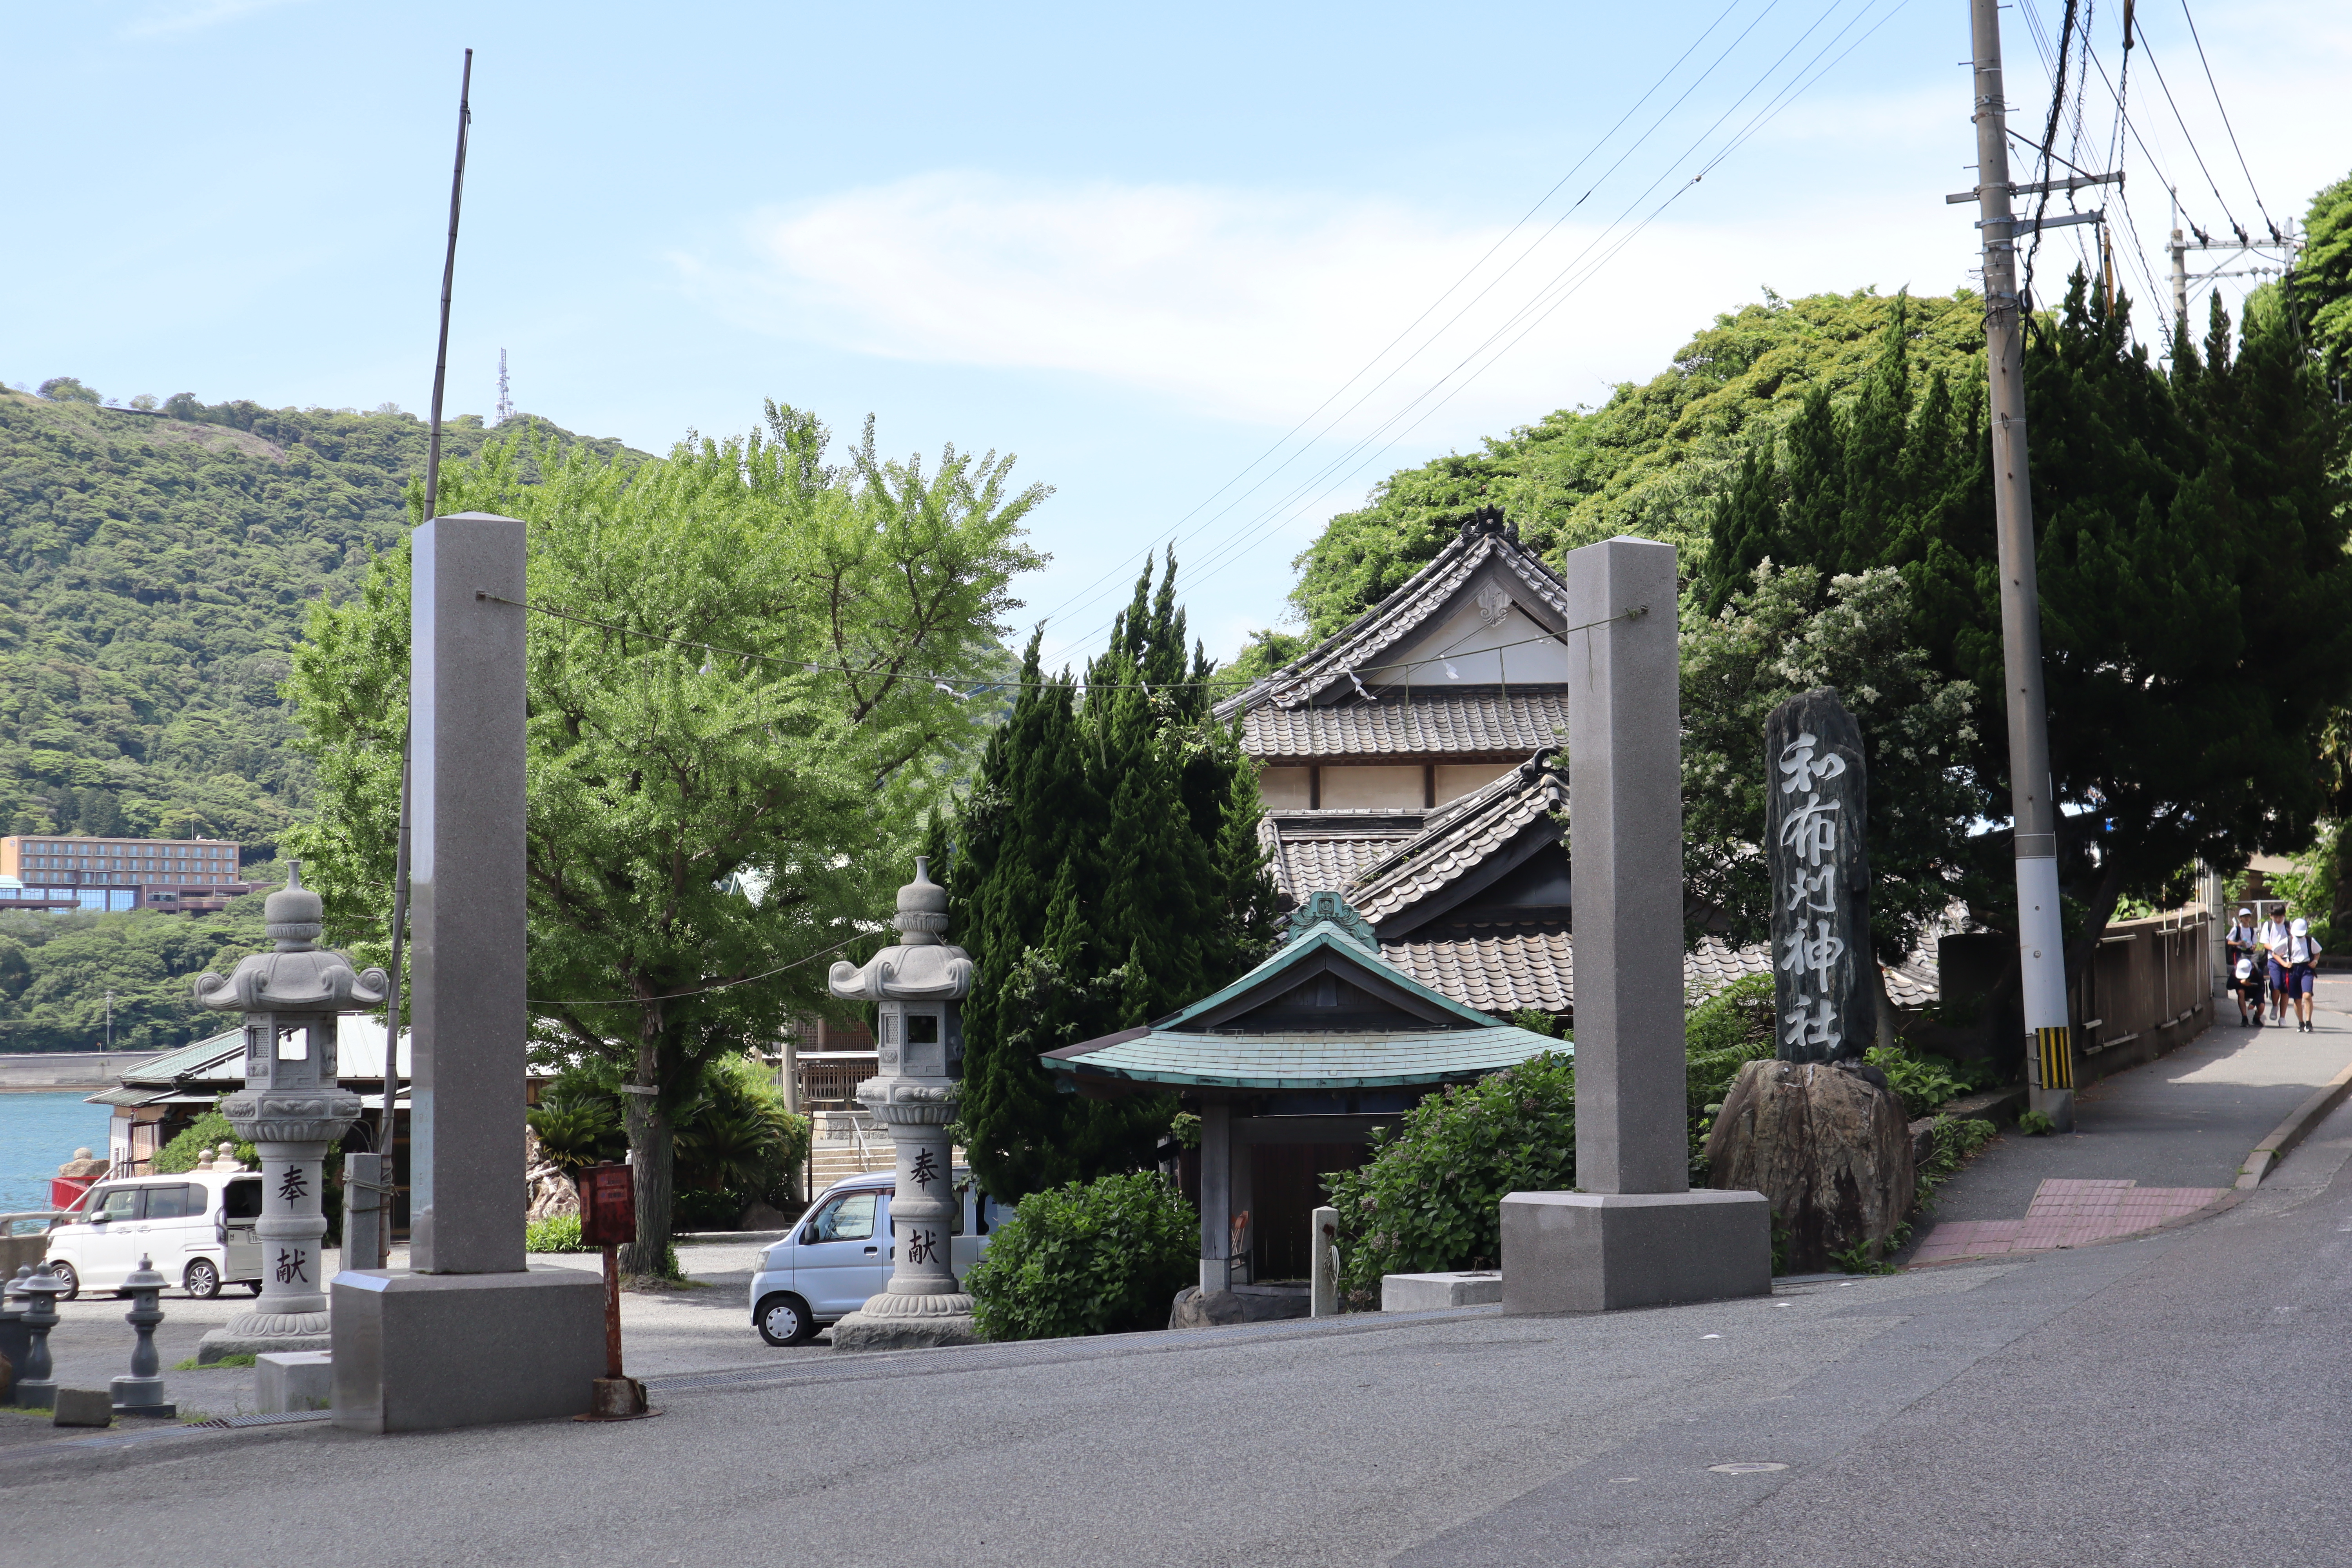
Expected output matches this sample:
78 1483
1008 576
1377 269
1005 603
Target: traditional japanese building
1289 1069
1409 763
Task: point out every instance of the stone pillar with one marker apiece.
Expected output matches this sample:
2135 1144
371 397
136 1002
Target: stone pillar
1625 866
1633 1235
467 1015
919 985
1216 1197
1323 1265
470 1335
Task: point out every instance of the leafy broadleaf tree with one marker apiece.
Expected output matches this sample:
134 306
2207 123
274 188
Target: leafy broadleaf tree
742 701
1106 871
1786 635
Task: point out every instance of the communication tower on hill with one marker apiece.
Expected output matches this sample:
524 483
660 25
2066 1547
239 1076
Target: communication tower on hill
506 404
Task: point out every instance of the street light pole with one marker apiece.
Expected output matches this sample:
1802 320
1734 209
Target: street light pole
2049 1057
110 1020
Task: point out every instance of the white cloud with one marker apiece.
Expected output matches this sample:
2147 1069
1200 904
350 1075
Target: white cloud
1249 304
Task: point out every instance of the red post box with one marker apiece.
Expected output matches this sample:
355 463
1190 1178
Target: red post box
608 1205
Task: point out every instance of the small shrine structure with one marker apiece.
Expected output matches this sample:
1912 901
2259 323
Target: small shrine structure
1289 1069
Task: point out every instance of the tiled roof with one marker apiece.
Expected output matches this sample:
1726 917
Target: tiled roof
1502 966
1361 644
1323 851
1457 840
1437 724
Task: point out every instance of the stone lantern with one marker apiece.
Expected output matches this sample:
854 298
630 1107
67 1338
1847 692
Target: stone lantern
290 1109
919 986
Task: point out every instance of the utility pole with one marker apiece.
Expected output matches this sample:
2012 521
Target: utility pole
2050 1057
110 1020
2179 267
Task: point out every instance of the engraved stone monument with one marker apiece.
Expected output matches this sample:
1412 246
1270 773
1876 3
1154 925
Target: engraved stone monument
1817 1130
919 985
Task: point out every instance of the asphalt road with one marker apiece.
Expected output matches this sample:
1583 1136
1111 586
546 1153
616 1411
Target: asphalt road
2174 1399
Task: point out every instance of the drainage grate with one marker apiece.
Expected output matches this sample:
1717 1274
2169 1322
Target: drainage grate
232 1423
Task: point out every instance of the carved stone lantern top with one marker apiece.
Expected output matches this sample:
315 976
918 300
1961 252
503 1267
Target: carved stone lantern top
299 976
922 966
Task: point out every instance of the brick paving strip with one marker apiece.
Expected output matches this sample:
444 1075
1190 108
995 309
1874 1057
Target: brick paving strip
2066 1214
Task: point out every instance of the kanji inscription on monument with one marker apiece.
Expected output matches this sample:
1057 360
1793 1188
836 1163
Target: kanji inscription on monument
1816 820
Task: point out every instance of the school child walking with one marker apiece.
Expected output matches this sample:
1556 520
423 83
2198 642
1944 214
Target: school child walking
2299 958
2273 936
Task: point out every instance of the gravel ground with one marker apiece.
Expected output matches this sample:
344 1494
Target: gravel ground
695 1330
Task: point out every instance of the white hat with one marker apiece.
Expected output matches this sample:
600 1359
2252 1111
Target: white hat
2245 968
2245 911
2301 927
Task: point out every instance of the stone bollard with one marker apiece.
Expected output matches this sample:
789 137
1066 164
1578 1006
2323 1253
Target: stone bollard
1323 1272
141 1393
13 1338
36 1389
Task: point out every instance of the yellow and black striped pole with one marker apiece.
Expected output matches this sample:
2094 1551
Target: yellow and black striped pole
2053 1058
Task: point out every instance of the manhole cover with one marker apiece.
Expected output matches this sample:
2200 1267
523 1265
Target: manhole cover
1747 1467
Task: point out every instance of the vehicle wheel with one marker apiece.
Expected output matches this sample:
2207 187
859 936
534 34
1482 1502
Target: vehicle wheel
65 1272
785 1321
201 1280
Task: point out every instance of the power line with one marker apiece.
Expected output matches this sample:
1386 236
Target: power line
1560 286
2177 120
2228 127
1092 590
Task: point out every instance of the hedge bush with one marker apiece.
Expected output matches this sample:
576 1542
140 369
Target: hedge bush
556 1233
1430 1197
1104 1257
208 1132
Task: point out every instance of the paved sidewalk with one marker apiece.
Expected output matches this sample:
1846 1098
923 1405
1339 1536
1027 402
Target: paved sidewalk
2161 1141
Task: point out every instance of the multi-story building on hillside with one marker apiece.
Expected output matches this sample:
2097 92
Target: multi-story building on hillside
66 871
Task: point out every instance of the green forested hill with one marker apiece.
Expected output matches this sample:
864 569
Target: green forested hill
155 569
1649 462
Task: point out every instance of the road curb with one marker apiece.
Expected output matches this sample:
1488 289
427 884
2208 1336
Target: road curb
2283 1139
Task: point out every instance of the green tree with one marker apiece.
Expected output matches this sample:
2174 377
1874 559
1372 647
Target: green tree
2190 532
65 389
1106 870
742 702
1650 461
1785 635
2322 280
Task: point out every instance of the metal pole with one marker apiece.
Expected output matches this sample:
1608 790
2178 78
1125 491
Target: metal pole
2049 1057
400 863
613 1311
448 277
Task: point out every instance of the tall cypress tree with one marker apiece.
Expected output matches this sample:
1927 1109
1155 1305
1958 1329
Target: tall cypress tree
2190 531
1105 871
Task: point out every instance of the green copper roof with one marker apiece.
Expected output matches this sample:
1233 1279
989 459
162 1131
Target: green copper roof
1303 1060
1325 937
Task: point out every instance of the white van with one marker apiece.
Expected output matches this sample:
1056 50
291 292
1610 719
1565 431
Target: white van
196 1228
840 1253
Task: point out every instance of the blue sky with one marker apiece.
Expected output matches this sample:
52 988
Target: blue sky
1136 247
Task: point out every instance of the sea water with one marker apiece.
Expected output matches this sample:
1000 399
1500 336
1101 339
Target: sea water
38 1133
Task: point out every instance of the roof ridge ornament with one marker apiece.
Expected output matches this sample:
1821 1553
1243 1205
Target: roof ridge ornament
1328 908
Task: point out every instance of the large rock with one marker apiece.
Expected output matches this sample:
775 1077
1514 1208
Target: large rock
1196 1309
1828 1146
